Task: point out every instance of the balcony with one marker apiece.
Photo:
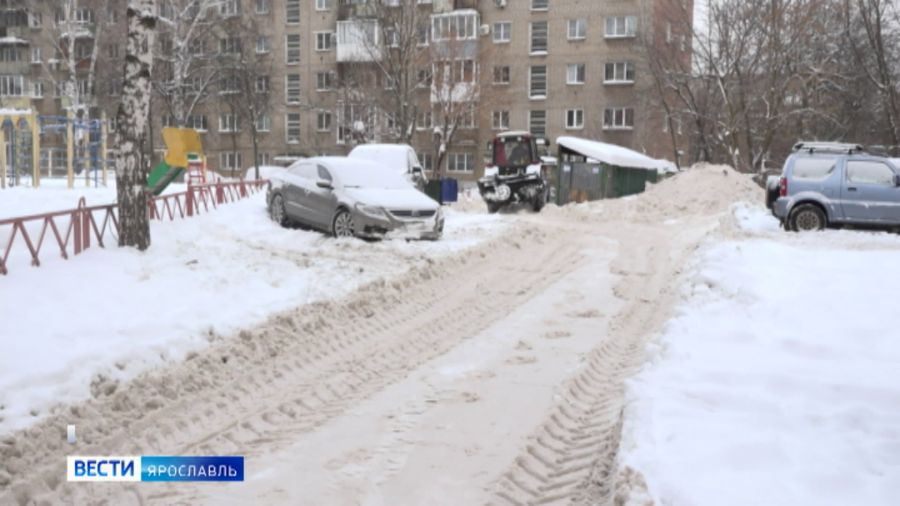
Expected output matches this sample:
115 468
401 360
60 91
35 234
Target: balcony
358 41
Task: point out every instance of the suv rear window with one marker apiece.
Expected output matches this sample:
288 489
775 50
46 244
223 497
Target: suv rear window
813 168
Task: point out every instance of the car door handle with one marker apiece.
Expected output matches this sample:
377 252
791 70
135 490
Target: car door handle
851 188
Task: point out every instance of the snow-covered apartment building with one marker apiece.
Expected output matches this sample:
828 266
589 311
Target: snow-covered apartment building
552 67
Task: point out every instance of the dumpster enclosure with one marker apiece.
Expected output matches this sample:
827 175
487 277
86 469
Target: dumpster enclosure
591 170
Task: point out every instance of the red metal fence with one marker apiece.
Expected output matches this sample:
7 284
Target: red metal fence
99 223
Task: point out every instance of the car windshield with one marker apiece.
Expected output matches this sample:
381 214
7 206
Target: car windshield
369 175
512 152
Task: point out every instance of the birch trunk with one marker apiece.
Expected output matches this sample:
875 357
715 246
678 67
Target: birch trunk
132 166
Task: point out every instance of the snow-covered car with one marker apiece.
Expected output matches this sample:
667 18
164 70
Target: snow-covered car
349 197
401 158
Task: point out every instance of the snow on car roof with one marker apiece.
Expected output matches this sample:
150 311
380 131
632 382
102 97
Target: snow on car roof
613 155
361 172
395 156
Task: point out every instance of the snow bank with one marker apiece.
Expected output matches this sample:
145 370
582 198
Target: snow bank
74 326
777 383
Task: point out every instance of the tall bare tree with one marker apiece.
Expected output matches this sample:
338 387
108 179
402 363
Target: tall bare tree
132 166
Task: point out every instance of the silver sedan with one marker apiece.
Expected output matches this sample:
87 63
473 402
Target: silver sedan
352 198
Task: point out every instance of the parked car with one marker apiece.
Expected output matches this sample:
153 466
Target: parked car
830 184
401 158
350 197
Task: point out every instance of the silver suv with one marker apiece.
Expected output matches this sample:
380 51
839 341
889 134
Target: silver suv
830 184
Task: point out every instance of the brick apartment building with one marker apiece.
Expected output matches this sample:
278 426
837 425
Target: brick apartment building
553 67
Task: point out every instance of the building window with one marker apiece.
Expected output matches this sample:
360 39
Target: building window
12 53
229 7
423 34
229 123
501 74
35 19
502 32
537 122
460 162
292 88
292 12
263 45
323 121
618 118
263 6
621 26
83 16
577 29
423 122
426 160
619 72
575 73
264 123
537 89
423 78
539 33
197 122
262 84
37 89
324 81
500 120
676 120
575 119
454 25
228 84
324 41
292 48
323 5
36 56
230 160
540 5
230 45
292 127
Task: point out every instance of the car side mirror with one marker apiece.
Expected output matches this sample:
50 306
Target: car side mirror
322 183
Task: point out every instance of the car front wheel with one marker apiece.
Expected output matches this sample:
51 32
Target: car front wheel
342 225
808 217
276 210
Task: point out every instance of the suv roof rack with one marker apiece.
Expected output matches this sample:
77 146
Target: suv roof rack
828 147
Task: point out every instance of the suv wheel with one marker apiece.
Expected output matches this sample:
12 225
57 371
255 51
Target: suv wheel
807 217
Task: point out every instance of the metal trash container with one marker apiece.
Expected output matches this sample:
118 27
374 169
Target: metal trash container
449 190
433 190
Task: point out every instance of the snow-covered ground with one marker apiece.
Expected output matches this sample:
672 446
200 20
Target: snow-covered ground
115 312
54 195
778 382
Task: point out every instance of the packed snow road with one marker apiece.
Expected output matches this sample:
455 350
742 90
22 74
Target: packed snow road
494 375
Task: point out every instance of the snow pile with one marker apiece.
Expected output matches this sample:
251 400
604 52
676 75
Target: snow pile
78 327
776 384
703 189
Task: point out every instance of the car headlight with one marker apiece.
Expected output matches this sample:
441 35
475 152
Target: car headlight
373 211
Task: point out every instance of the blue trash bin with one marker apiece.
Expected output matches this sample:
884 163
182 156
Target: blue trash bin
449 190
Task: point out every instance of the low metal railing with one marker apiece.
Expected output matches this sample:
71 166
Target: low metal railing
89 224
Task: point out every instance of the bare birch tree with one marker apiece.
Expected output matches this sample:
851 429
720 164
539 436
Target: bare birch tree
132 166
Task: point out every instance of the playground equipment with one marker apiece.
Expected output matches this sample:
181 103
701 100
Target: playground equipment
21 130
184 151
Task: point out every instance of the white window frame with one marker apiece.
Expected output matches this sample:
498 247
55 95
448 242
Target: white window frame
293 90
538 52
266 4
615 124
624 66
531 118
229 123
468 164
500 120
323 5
319 123
576 23
572 78
291 8
502 32
290 124
540 5
329 39
574 119
292 51
329 85
623 27
264 123
531 92
508 75
263 44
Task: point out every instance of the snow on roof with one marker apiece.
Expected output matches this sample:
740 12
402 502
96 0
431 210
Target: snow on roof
14 112
395 156
9 39
614 155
